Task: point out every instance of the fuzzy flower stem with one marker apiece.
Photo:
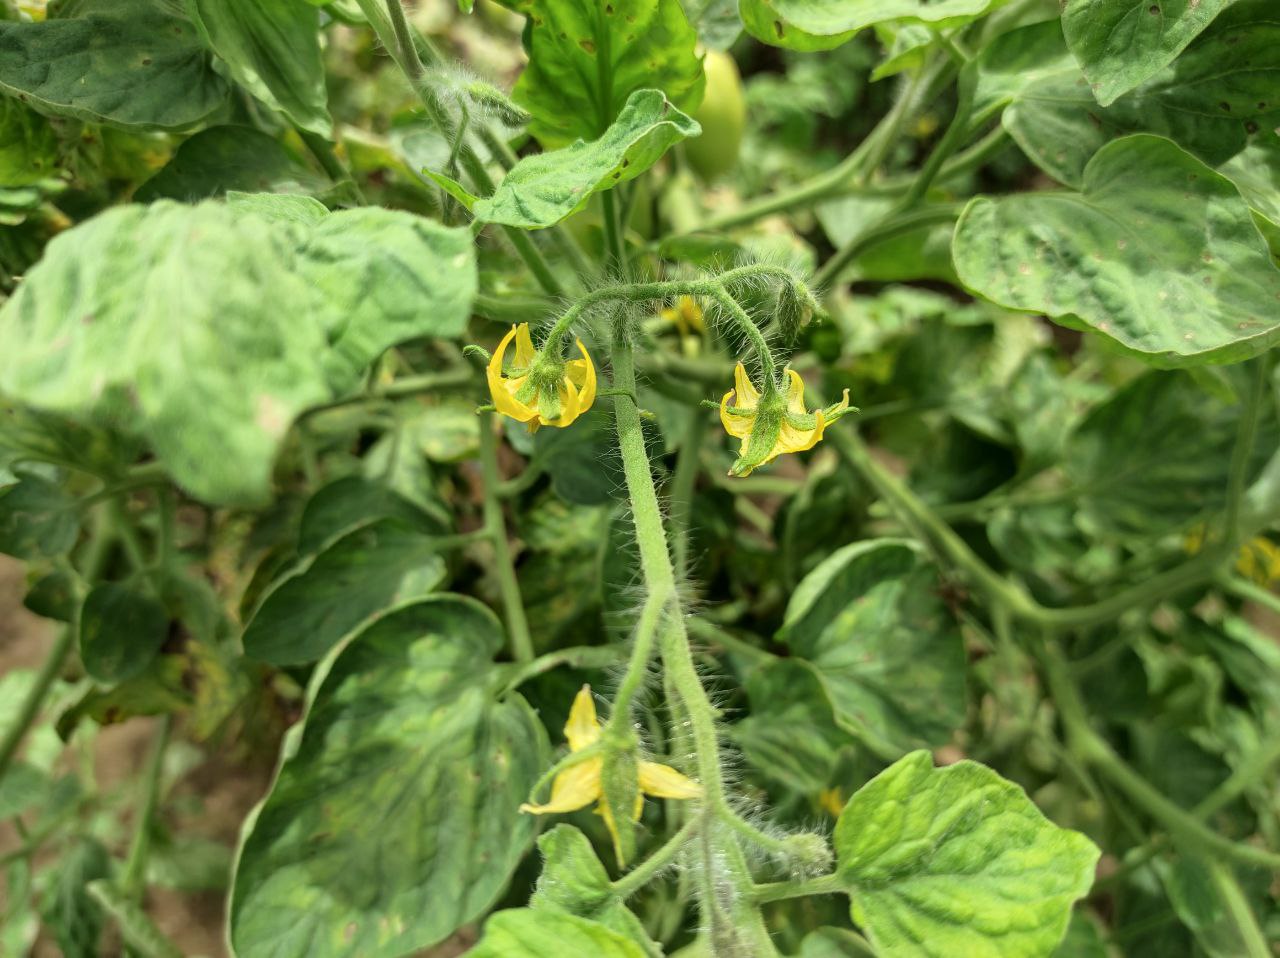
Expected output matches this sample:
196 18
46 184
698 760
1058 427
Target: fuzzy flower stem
654 613
651 867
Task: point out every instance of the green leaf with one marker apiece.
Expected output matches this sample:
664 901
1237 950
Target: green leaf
716 22
352 502
1208 109
211 327
823 24
365 572
1256 174
1121 43
28 145
1154 458
582 461
53 596
883 643
225 158
273 50
37 518
22 787
534 933
574 882
134 64
136 926
394 820
279 208
543 189
587 58
1158 252
957 861
121 630
69 911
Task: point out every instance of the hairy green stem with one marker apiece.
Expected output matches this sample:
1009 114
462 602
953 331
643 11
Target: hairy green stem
711 633
133 879
796 888
688 461
657 862
496 527
578 657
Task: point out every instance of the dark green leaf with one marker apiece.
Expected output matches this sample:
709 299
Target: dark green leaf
131 63
37 518
883 643
582 460
543 189
957 861
586 59
69 911
365 572
54 596
273 50
394 817
347 504
1158 252
225 158
716 22
121 630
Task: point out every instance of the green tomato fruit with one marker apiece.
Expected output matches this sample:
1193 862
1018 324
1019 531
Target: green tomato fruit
723 114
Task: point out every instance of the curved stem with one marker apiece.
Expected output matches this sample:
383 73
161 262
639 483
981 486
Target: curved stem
495 526
656 863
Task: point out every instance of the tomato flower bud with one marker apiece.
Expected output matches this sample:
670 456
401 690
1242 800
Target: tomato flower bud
540 390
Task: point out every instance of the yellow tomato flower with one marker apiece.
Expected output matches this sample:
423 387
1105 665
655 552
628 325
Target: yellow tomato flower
770 425
540 391
1258 559
579 785
687 316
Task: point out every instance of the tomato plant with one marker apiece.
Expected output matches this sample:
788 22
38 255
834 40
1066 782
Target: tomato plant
619 478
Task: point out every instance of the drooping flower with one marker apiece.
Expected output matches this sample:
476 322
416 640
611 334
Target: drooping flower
770 424
540 390
687 316
579 785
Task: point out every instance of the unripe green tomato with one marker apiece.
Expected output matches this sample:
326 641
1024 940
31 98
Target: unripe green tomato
723 114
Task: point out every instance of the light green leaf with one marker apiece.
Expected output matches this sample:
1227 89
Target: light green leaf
1208 109
22 787
534 933
395 820
135 64
905 47
365 572
28 145
160 316
957 861
1256 174
1158 252
543 189
224 158
1154 458
586 59
273 50
574 882
121 630
883 644
279 207
1121 43
823 24
716 22
37 518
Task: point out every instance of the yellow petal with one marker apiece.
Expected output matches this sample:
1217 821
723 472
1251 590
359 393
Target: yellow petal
574 788
525 353
737 426
692 314
795 392
748 395
502 390
582 729
791 439
587 369
570 407
663 781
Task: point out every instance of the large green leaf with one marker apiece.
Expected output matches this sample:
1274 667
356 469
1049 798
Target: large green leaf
543 189
1121 43
130 63
1154 457
394 817
209 328
883 644
273 49
37 518
225 158
823 24
586 59
379 565
1158 252
957 861
1211 100
537 933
